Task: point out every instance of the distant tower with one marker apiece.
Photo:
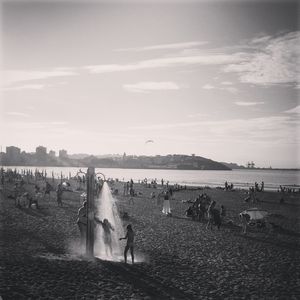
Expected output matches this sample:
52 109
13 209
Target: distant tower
124 156
63 154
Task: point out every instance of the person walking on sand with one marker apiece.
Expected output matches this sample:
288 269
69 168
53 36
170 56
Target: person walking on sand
107 228
82 222
59 193
129 245
166 207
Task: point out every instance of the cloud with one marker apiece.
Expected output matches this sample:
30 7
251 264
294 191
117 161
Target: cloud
13 76
165 46
269 60
226 83
179 61
248 103
230 89
151 86
208 87
295 110
17 114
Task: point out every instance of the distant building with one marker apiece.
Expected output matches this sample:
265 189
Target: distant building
13 154
63 154
41 152
52 153
2 157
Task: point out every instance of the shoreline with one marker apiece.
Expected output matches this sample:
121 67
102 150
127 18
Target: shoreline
149 168
198 185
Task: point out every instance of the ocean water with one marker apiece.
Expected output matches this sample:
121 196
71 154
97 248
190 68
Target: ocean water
240 178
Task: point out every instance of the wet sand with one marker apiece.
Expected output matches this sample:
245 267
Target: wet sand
177 258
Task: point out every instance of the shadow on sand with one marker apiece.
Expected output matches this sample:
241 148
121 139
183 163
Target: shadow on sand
138 278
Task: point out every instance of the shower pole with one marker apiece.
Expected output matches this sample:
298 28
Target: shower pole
90 212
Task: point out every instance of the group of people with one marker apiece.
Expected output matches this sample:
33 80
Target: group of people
128 189
205 208
29 187
107 228
228 187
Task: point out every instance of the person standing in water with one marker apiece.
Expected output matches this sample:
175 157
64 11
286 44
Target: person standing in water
107 228
130 240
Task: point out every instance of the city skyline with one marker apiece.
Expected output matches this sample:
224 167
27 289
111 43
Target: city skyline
212 78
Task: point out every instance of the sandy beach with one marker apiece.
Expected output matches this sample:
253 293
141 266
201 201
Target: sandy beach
176 258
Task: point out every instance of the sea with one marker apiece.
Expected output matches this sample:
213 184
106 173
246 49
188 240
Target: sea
240 178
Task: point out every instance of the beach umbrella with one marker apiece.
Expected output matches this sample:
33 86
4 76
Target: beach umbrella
255 213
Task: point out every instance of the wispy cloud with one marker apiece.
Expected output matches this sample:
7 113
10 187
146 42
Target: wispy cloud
179 61
270 60
240 103
295 110
208 87
226 83
165 46
147 86
17 114
14 76
230 89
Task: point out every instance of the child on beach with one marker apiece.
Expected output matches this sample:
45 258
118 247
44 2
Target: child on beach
130 239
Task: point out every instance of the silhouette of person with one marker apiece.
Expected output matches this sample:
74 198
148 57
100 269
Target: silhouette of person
129 245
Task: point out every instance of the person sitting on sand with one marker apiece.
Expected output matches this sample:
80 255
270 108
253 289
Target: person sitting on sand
107 228
82 222
129 245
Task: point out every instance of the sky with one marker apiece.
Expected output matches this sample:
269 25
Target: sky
213 78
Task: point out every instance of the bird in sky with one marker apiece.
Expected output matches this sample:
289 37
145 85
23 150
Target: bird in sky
149 141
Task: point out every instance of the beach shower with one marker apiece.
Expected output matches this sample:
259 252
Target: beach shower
101 207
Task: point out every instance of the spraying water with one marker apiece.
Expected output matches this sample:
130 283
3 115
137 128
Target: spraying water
105 208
